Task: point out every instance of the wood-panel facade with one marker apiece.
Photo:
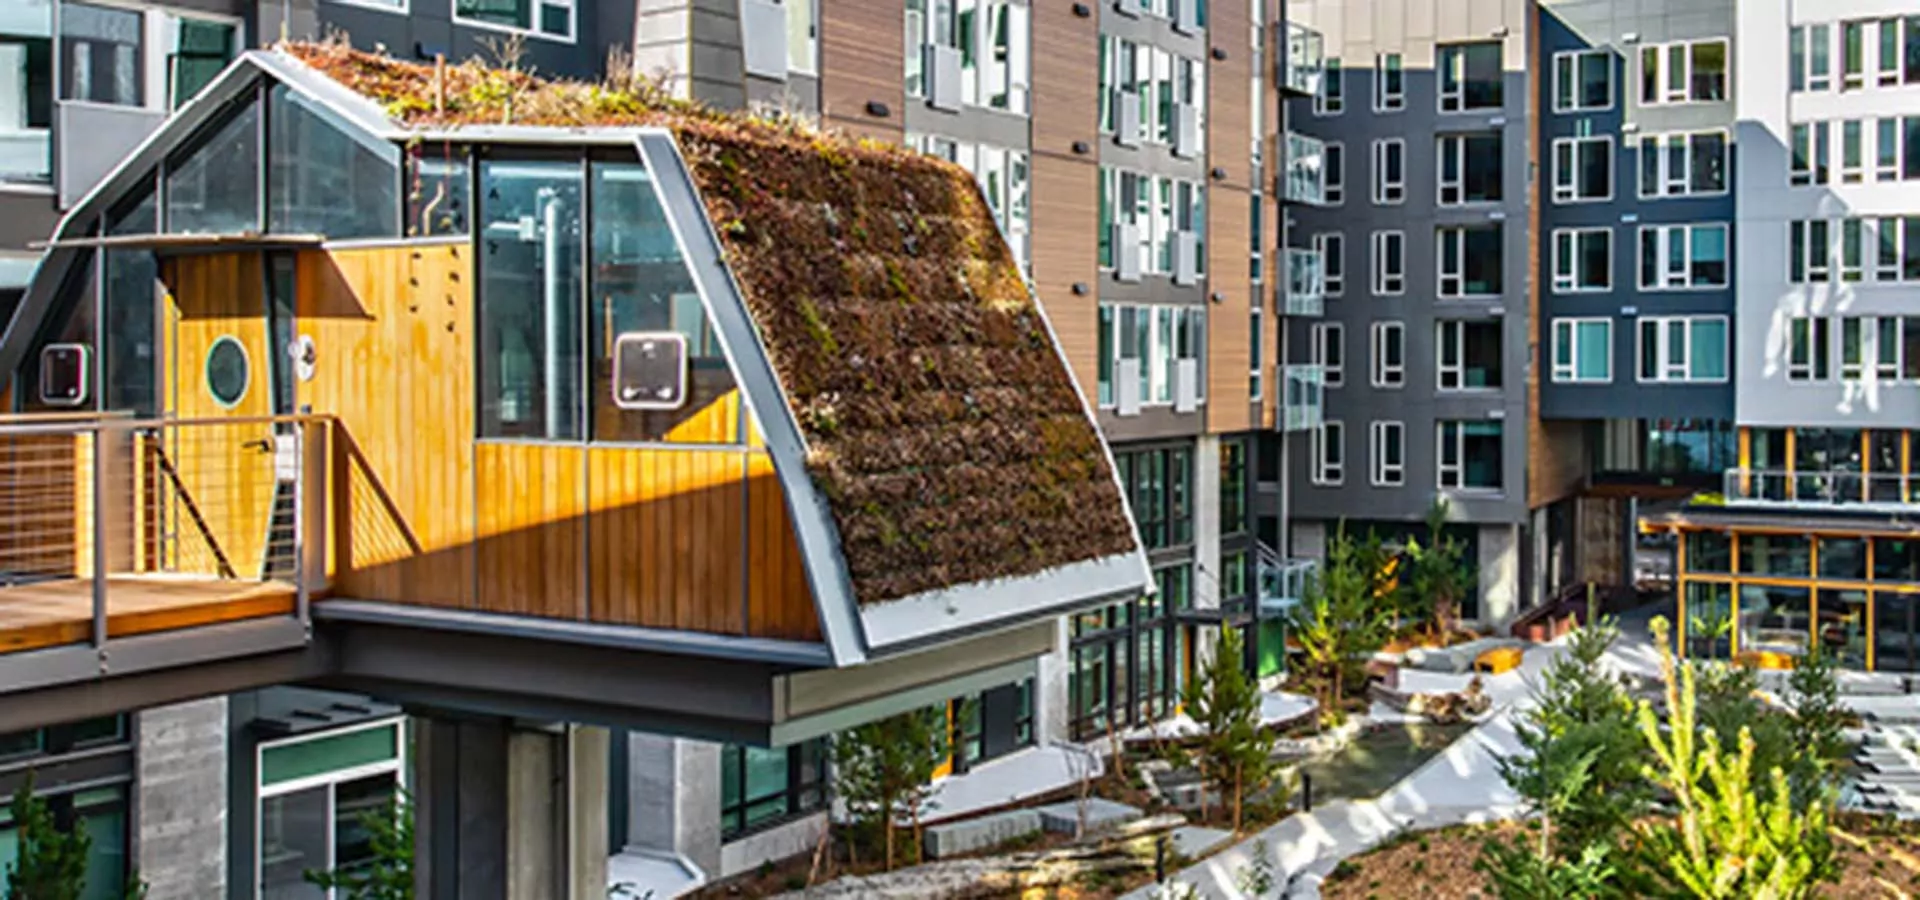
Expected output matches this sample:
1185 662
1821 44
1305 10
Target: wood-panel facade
1229 344
862 61
1066 214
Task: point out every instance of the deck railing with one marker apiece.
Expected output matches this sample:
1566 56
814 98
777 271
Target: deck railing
111 526
1822 488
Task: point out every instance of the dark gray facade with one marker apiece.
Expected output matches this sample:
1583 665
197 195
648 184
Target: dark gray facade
1623 32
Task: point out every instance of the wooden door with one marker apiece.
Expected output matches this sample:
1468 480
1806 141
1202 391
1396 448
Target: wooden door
217 480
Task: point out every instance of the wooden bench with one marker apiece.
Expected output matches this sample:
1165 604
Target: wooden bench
1497 660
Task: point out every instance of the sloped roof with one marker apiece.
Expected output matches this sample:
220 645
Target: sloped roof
942 424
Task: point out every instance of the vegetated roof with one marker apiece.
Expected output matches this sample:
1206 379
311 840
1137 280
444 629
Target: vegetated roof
942 424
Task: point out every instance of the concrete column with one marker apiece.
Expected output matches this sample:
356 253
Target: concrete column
1206 523
460 817
1051 692
1499 562
535 825
587 785
180 800
673 798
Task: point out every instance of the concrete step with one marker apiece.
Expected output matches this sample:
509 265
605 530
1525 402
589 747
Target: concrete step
1102 814
974 835
1194 842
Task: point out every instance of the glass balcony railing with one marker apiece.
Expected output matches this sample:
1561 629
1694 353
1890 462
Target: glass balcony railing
1305 397
1305 62
1305 175
1306 283
1283 582
1822 488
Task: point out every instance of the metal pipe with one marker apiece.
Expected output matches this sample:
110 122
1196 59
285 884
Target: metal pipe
99 545
554 305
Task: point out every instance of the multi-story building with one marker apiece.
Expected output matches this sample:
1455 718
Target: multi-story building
1810 540
1427 230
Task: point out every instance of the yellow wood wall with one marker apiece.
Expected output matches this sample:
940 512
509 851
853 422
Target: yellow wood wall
423 513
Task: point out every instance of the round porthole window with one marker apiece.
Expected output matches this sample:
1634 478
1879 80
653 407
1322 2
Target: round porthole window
227 375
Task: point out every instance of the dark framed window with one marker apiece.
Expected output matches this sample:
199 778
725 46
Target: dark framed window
213 185
1233 488
82 771
762 787
439 193
1160 484
991 724
1129 658
325 177
103 59
530 368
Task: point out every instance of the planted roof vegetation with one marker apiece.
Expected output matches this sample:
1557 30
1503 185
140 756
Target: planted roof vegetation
942 425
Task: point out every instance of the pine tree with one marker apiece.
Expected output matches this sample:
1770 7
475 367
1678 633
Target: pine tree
1339 619
1233 753
1819 719
883 770
1438 577
52 862
389 874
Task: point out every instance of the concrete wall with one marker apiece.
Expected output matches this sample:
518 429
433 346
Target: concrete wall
179 804
673 791
1623 29
1499 566
1355 31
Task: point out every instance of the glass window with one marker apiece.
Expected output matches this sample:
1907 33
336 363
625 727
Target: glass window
1843 558
1709 551
1582 350
1582 169
1471 261
530 284
1471 77
26 91
1470 455
640 283
128 356
213 186
1471 168
1896 632
1896 560
101 54
314 796
202 50
325 178
1775 619
761 786
1775 554
1582 80
437 190
1180 494
1233 487
1582 259
549 18
1709 620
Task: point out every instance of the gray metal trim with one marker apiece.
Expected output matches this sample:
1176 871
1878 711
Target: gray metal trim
813 525
914 622
793 731
621 637
167 649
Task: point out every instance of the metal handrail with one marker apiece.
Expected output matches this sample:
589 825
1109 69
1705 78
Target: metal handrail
1830 487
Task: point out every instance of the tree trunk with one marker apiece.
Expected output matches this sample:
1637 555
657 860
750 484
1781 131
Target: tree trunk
888 805
1238 797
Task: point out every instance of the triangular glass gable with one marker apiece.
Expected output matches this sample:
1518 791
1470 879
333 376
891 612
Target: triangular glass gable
325 177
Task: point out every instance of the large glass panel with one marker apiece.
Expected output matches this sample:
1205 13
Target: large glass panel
1896 632
437 190
72 322
202 50
1896 560
100 51
340 751
1843 558
1774 619
26 89
294 833
530 285
214 185
326 178
128 358
1709 621
1775 554
640 286
353 803
1709 551
1842 627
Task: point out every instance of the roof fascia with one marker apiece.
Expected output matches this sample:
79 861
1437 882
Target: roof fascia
813 525
912 622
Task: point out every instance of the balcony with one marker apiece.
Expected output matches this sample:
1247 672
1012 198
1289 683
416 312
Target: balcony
1283 582
1305 398
1305 61
133 545
1305 175
1825 489
1306 290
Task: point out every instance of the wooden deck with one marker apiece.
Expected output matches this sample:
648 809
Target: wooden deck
53 613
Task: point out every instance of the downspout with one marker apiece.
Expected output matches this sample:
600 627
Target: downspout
553 302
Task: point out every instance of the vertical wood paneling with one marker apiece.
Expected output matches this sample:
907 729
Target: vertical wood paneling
1066 79
862 50
780 602
1230 94
1229 346
1066 214
393 361
666 537
531 554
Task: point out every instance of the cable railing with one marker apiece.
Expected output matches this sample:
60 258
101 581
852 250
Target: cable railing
1821 487
111 525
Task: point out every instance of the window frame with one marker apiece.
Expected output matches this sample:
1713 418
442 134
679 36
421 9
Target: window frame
1333 175
1450 339
1450 64
1566 259
1383 434
1664 267
1458 143
399 766
1329 470
1389 192
1663 142
794 792
1389 282
1382 373
1811 254
1331 99
1566 181
1333 373
1567 67
1458 233
1458 450
532 30
1384 100
1566 334
1804 45
1184 320
1812 164
1333 266
1663 56
1817 364
1663 365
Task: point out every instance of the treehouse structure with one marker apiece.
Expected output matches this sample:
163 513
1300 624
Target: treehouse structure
535 399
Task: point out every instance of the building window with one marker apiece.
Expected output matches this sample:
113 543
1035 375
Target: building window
1898 254
1004 178
1160 483
102 812
1233 487
1160 338
1679 257
1256 353
1582 350
1332 99
1809 348
1332 247
1468 355
1683 348
1471 260
990 724
1471 169
1471 77
202 51
313 792
1129 659
1684 72
1887 155
1810 58
1582 260
1333 165
1329 351
546 18
1683 165
1810 153
1389 171
1387 450
1853 152
1388 345
994 41
1159 210
1470 455
1853 56
1329 453
102 53
1389 262
1910 56
1891 343
1582 81
1582 169
1810 252
26 94
760 787
1389 83
1853 250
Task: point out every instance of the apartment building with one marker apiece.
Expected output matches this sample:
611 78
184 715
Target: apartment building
1811 542
1427 118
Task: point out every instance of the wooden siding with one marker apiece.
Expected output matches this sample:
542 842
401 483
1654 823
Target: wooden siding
682 507
1066 80
1066 186
1229 94
532 549
1229 346
862 59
